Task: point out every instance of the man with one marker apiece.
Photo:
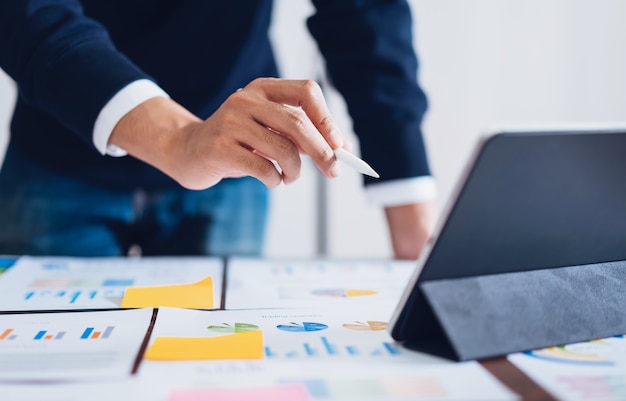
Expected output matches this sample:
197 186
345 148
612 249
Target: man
155 123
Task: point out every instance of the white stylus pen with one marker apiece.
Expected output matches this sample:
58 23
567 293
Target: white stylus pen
354 162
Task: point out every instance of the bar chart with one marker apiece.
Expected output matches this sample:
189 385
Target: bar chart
7 335
63 283
58 346
91 334
72 297
323 346
43 335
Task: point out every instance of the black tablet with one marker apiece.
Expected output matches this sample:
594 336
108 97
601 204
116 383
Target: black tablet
529 203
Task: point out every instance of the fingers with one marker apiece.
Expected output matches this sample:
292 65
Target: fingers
269 120
226 156
298 111
306 94
273 147
252 164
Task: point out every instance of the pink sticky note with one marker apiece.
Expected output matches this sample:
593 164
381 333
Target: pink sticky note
291 392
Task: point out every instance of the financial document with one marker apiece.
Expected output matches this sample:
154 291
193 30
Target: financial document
323 353
590 370
71 346
64 283
261 283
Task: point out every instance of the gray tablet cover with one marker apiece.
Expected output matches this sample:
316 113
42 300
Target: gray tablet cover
529 254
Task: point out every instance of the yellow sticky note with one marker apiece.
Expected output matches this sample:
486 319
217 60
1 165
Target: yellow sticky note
245 345
195 295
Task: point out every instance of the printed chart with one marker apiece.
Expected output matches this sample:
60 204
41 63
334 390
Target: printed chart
310 283
302 327
591 370
305 334
70 345
296 349
37 283
588 354
6 261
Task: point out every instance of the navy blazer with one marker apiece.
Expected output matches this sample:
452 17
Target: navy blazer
69 57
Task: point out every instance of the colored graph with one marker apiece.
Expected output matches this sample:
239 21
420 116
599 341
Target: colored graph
343 293
73 296
323 347
367 326
6 263
43 335
302 327
236 328
578 354
77 291
90 333
75 283
6 335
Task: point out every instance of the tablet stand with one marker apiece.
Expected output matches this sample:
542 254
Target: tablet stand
494 315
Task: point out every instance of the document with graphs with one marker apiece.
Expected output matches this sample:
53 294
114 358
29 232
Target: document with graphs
71 283
71 346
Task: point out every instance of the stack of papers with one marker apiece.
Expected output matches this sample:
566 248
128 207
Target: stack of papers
156 328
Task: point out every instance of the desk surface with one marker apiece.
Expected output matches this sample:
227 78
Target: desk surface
516 380
501 368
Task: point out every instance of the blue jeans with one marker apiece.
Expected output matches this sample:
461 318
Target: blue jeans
46 213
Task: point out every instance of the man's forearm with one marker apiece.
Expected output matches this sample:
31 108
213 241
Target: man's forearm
410 226
150 131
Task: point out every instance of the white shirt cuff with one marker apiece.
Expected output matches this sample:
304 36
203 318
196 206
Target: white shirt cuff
129 97
402 192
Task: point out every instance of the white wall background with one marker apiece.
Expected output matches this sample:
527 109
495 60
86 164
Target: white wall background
483 63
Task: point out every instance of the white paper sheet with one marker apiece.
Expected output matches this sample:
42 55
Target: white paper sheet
71 345
63 283
592 370
338 358
263 283
103 390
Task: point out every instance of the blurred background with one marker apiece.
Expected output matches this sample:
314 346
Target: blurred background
484 64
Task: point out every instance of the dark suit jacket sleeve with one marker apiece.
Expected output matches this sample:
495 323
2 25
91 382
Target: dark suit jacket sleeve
368 48
63 62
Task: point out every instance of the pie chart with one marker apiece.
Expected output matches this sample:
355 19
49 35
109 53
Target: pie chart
589 353
236 328
366 326
302 327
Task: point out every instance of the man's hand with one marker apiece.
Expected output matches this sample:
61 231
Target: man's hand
268 120
410 227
